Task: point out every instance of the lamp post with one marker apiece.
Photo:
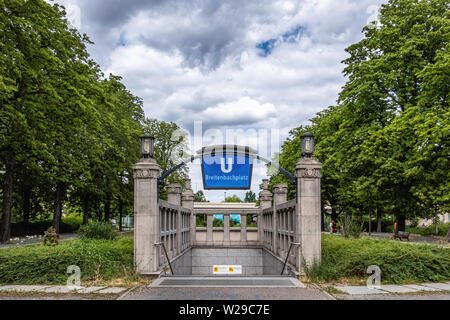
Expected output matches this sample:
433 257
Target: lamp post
307 141
147 146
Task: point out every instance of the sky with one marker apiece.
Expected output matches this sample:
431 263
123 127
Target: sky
245 72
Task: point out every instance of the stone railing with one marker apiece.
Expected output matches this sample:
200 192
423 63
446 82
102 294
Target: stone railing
226 236
173 223
174 230
285 229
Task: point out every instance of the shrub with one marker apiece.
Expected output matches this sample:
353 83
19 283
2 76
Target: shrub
98 230
51 238
430 230
353 227
38 264
345 259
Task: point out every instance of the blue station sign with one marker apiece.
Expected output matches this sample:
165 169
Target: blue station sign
227 171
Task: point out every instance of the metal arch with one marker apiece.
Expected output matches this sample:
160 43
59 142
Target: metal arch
247 154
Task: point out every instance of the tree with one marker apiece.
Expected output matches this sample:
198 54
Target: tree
199 196
250 197
66 134
170 148
384 147
45 70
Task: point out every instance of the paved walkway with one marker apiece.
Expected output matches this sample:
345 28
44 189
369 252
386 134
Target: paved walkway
425 291
422 291
412 237
60 289
30 240
226 293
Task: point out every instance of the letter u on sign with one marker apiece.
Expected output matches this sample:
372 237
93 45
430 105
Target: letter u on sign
229 167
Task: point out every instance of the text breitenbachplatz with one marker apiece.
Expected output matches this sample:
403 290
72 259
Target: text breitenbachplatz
228 178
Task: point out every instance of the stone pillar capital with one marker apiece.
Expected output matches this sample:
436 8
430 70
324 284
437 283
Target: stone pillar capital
280 193
174 188
146 169
187 197
174 193
308 168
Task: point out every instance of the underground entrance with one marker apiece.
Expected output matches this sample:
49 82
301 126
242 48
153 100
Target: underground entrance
275 238
229 262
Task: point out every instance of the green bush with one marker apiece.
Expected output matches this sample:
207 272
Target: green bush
346 258
39 264
353 227
67 225
430 230
98 230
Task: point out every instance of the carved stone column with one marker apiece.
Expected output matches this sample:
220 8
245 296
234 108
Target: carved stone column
209 229
265 201
187 201
243 229
174 194
308 232
280 192
226 229
147 218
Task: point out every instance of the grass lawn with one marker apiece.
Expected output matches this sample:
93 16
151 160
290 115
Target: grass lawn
345 260
101 262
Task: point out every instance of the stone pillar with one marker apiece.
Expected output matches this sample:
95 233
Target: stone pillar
187 197
243 229
187 201
174 194
307 230
265 201
280 192
265 196
226 229
174 197
209 229
147 217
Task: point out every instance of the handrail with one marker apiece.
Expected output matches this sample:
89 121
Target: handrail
167 256
287 257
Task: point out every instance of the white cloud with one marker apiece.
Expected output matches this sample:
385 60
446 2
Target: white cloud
198 60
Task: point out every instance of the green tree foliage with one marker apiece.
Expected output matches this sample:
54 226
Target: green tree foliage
384 147
67 135
199 196
250 196
234 198
171 149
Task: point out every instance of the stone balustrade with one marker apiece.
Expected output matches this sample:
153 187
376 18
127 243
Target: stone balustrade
281 225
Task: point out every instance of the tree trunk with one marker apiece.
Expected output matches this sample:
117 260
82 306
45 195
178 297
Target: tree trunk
448 236
436 222
370 223
108 208
378 220
26 202
60 193
401 222
8 185
120 214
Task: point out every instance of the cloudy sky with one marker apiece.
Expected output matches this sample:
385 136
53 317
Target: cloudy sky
262 67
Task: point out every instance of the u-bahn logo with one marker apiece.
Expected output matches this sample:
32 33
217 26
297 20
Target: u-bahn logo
226 168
